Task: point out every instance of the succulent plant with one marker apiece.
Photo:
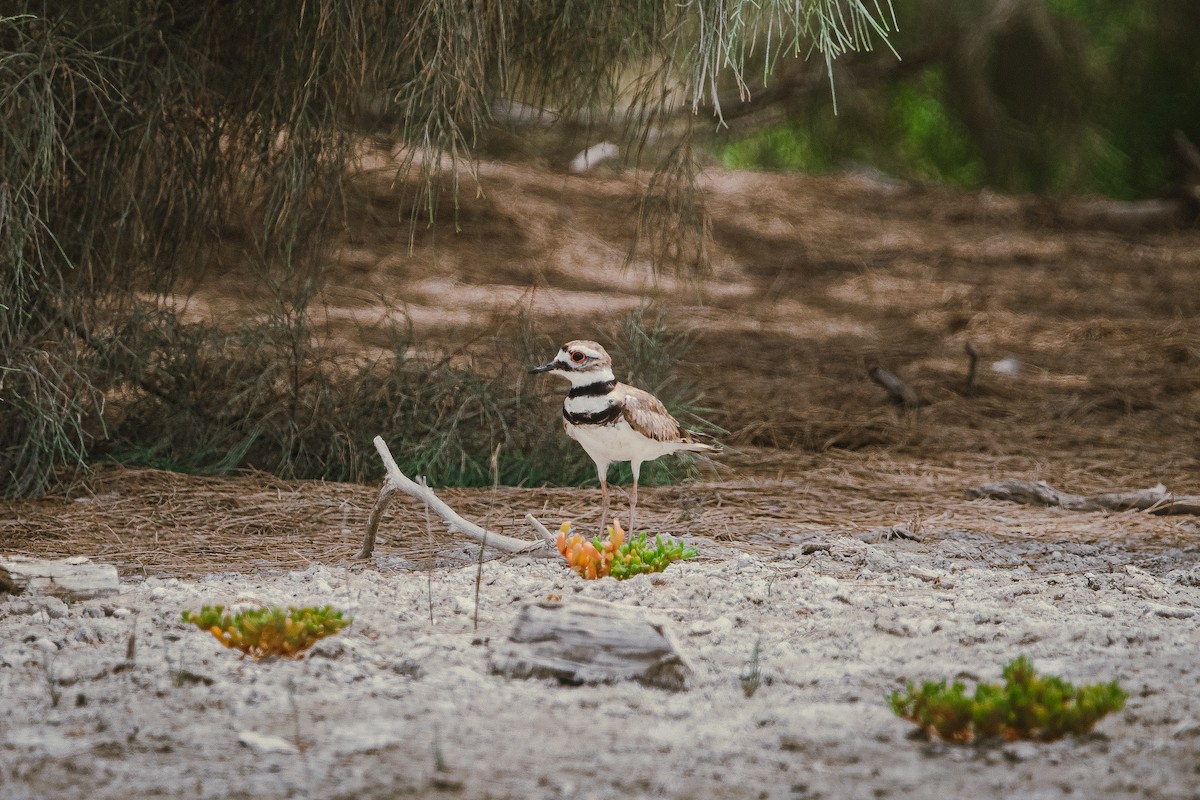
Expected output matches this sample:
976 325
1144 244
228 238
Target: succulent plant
1027 706
617 557
269 631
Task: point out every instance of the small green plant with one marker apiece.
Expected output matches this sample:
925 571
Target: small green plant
269 631
1027 706
751 677
617 557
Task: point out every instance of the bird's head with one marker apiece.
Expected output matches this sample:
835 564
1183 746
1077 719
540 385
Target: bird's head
581 362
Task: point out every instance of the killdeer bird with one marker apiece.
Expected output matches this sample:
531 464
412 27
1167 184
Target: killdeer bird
614 421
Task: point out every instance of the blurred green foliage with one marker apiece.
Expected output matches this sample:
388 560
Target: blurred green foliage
1061 96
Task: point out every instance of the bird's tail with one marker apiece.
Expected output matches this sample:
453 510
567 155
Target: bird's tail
693 446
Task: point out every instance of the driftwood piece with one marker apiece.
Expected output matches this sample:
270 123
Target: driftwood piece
1133 216
591 641
1154 501
898 391
397 481
70 579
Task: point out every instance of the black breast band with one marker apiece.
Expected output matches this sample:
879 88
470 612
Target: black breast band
603 417
596 389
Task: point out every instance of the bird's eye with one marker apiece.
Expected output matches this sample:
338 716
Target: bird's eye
578 357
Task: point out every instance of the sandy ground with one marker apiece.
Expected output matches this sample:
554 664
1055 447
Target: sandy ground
814 279
399 706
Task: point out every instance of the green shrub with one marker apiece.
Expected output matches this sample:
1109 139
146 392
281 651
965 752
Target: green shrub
1027 706
269 631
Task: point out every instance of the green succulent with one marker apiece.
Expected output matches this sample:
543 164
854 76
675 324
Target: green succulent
1027 706
269 631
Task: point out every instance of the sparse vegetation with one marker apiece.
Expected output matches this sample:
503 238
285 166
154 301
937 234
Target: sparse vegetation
273 398
51 676
751 677
145 144
1027 706
269 631
615 557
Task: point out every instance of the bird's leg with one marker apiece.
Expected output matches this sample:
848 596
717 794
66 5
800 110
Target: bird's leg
637 470
602 473
603 505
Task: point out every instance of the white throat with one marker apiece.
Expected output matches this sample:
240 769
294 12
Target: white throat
587 377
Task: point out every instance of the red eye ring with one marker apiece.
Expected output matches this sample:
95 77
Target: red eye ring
578 357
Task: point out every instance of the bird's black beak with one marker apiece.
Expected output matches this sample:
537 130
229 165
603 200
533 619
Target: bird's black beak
544 368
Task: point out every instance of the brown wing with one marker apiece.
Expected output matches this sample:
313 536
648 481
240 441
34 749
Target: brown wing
646 414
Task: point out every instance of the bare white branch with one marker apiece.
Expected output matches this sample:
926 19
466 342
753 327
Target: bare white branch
398 481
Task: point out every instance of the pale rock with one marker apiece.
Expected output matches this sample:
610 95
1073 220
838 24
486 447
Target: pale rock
1170 612
54 608
263 743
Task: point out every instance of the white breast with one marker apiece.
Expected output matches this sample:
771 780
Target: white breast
618 442
588 404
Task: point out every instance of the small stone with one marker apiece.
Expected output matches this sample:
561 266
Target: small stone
1020 751
262 743
1188 727
925 574
121 613
328 648
46 645
747 562
1171 612
896 626
20 607
409 668
792 743
54 608
446 783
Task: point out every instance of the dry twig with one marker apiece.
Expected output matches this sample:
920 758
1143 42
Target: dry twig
1156 500
898 391
972 366
398 481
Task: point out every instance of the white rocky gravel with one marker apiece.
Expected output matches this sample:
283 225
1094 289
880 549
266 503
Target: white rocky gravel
396 706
